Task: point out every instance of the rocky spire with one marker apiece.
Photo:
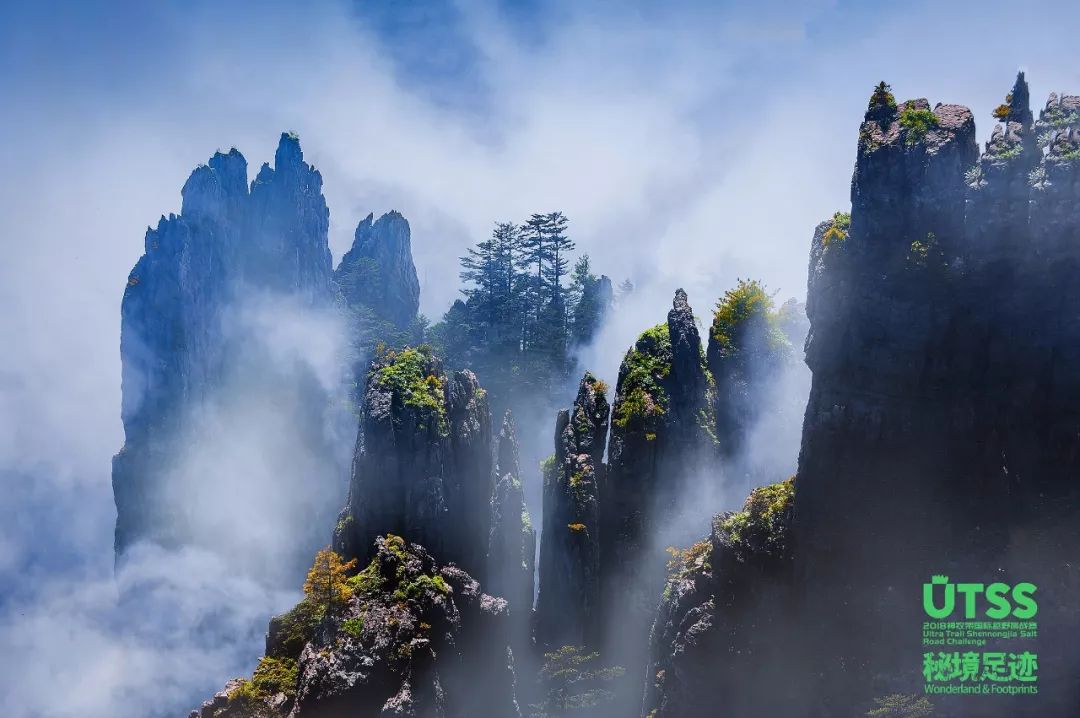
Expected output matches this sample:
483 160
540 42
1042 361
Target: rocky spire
288 221
750 343
181 342
512 542
378 273
422 467
659 430
687 367
567 608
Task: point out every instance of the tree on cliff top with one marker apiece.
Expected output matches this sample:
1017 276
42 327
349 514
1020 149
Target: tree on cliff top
326 585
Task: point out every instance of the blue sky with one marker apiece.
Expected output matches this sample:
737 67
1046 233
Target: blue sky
690 143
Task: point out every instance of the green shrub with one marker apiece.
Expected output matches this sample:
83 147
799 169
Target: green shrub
1056 116
275 675
882 97
761 526
293 630
1008 153
917 123
410 375
746 306
422 586
837 231
687 562
249 698
353 626
647 364
366 582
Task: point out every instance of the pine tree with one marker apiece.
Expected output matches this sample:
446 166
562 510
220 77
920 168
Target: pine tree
584 295
326 585
558 247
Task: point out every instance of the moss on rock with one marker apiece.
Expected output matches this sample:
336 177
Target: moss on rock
761 527
646 365
415 378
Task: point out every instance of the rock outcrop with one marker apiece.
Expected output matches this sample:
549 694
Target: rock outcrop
378 271
378 290
186 347
412 638
728 596
660 433
942 418
750 345
942 353
423 461
512 543
568 604
606 527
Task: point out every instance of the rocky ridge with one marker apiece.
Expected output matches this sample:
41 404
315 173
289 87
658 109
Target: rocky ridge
412 638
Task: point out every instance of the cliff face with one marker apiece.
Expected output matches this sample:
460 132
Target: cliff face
181 342
568 605
943 355
728 595
942 418
423 463
409 638
512 543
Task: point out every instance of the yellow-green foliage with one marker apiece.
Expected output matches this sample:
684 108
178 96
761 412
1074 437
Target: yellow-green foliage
761 526
837 232
573 682
687 562
922 252
353 626
275 675
327 580
549 469
296 628
272 676
423 585
409 374
366 582
746 305
246 701
647 364
396 546
1001 112
917 123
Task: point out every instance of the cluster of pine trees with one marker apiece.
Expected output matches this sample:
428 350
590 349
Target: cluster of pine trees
525 309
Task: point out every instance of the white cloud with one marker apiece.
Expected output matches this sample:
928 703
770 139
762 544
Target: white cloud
689 147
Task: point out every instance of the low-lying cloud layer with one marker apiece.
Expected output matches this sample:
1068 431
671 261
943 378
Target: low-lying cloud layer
690 144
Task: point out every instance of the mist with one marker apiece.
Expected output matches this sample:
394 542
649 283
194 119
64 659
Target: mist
688 148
